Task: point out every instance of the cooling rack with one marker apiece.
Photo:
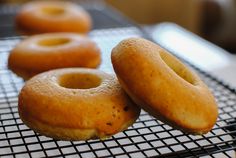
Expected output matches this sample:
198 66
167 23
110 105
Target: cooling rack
147 137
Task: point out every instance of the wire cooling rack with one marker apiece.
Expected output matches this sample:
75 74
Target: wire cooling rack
147 137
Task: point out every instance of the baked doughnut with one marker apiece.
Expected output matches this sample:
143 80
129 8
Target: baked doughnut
44 52
76 104
53 16
163 86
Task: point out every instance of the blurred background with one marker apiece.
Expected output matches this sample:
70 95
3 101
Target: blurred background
214 20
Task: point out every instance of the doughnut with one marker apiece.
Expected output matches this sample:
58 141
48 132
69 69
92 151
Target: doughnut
163 86
52 16
43 52
76 104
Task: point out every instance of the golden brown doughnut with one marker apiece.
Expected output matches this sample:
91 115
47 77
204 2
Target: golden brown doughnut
44 52
76 104
163 86
53 16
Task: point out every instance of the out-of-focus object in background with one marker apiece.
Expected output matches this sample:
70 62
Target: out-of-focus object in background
219 22
214 20
13 1
53 16
186 13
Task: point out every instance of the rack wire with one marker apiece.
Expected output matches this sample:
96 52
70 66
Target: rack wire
147 137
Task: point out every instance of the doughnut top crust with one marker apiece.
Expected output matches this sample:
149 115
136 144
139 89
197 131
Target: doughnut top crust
48 51
163 86
53 16
76 104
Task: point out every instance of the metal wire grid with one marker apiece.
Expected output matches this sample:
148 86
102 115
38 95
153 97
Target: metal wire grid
147 137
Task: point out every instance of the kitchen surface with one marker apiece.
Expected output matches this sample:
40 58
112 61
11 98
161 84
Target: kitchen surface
213 59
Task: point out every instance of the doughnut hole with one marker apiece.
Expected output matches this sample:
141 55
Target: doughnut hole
53 10
79 81
180 69
53 42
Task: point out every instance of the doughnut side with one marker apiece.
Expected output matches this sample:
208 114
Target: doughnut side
163 86
60 133
22 73
51 109
63 133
